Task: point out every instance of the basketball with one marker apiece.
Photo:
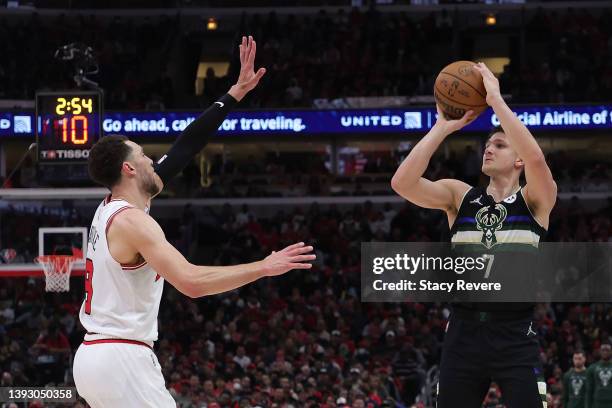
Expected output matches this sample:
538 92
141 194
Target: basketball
459 88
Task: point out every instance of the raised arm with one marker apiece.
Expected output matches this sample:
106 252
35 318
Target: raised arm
408 180
541 189
195 136
134 231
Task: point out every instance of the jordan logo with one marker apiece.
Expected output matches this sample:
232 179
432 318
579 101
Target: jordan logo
477 200
530 330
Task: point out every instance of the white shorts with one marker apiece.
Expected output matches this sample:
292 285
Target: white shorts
115 374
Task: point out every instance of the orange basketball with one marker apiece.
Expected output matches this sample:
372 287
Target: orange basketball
459 88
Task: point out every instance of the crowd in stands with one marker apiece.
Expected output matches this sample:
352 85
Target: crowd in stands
304 339
566 57
362 174
298 174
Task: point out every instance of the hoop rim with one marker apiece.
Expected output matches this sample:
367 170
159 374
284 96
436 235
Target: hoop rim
42 259
57 263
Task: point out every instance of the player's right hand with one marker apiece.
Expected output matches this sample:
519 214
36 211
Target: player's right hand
490 82
248 78
296 256
449 126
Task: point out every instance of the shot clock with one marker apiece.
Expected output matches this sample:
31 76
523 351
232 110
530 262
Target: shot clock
67 125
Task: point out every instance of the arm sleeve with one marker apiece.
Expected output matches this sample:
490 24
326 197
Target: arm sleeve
193 139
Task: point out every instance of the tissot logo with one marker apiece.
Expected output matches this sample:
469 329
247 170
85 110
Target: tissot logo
64 154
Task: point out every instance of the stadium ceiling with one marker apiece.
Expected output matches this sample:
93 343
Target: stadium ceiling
237 7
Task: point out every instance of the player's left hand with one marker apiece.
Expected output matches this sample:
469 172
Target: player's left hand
491 83
449 126
296 256
248 78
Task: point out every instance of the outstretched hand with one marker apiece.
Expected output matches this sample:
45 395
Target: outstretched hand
449 126
248 78
294 256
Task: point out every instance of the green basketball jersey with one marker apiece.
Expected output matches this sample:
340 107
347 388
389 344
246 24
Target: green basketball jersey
574 389
599 385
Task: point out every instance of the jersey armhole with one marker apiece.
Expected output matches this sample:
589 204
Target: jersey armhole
529 209
459 208
463 198
110 219
124 266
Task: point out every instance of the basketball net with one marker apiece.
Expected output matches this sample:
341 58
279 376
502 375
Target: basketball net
57 270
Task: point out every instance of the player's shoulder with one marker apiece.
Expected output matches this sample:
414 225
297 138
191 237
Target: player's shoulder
131 219
459 189
133 228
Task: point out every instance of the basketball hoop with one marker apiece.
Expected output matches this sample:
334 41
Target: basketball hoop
57 271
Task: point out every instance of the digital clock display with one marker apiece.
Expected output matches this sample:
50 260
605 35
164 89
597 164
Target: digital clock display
67 125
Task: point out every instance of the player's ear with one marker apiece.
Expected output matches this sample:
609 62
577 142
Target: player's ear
519 163
127 167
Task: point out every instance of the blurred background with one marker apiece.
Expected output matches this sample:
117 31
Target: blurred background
307 156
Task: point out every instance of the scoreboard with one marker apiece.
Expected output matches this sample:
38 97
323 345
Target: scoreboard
67 125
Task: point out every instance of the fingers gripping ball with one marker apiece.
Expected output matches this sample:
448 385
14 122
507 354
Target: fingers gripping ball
458 89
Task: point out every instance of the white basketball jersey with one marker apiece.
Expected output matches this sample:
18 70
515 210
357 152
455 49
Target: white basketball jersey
121 301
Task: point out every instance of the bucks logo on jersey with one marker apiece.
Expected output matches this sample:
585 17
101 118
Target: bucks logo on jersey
577 383
484 223
605 374
489 220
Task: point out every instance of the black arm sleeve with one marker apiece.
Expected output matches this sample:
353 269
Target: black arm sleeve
193 139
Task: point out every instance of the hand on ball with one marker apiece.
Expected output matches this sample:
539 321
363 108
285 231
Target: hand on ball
490 82
449 126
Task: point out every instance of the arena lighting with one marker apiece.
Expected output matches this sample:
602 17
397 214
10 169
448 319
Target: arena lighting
490 20
211 25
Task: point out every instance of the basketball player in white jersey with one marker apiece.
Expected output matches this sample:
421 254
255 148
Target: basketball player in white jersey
129 258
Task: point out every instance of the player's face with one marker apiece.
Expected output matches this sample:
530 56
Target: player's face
579 360
605 352
148 180
498 157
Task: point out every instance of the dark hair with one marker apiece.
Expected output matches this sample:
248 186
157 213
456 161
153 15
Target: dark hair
580 352
495 130
106 158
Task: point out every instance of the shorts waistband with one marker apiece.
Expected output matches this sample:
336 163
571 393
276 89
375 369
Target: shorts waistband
95 338
491 317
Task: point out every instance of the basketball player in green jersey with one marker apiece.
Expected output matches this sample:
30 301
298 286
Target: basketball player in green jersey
599 380
488 342
574 383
